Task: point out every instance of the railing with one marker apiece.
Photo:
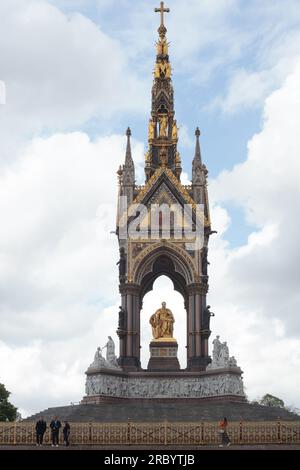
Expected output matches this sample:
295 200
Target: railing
164 433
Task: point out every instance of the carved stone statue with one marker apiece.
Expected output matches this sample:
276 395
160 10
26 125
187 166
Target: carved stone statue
216 350
122 266
98 354
163 126
232 362
221 357
224 354
163 156
174 131
206 317
162 322
151 128
110 351
205 263
99 360
121 323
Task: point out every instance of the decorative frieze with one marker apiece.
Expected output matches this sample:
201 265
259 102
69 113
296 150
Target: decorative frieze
118 386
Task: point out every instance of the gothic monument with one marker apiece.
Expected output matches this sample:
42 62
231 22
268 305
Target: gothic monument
163 228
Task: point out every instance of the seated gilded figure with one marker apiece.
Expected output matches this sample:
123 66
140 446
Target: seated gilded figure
162 322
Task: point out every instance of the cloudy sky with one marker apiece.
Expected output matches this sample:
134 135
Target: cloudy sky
77 73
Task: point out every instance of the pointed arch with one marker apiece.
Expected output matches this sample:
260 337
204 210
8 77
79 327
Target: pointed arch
165 259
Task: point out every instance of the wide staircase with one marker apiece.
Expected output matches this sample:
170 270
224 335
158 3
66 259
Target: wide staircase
145 411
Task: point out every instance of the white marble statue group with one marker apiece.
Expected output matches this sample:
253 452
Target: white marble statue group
225 382
221 358
110 362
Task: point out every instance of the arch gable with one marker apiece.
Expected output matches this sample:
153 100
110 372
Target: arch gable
182 263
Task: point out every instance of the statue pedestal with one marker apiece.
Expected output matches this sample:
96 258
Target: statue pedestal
163 355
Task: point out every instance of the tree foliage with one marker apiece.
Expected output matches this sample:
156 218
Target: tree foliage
8 412
270 400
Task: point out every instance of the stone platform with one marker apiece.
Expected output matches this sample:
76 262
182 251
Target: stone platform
147 411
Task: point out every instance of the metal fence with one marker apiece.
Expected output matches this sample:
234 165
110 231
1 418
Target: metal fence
164 433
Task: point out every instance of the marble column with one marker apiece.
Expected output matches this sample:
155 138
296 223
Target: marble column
129 343
197 351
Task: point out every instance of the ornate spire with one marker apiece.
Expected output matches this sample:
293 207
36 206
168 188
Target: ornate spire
197 157
162 127
128 157
199 171
128 173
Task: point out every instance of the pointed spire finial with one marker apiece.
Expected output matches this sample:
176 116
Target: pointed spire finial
197 157
128 157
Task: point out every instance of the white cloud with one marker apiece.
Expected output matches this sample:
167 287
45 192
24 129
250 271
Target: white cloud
185 138
58 260
58 362
256 295
60 71
275 56
245 90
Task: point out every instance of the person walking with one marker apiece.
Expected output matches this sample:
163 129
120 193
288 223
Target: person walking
225 441
40 428
55 426
66 433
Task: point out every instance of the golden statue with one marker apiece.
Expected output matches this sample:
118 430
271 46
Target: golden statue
157 70
162 47
151 128
162 70
167 70
163 121
163 156
159 48
174 131
162 322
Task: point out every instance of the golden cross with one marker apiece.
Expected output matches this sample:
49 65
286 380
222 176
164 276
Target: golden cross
162 10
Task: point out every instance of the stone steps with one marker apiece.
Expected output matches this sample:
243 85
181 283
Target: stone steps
151 412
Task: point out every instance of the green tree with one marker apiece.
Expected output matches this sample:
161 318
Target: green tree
270 400
8 412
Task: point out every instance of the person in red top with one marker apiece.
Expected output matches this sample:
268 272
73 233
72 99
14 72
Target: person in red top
223 432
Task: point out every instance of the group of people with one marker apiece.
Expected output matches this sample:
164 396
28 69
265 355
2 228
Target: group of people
55 427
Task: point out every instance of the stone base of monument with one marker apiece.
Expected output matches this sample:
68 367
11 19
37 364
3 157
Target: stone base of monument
163 355
181 385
